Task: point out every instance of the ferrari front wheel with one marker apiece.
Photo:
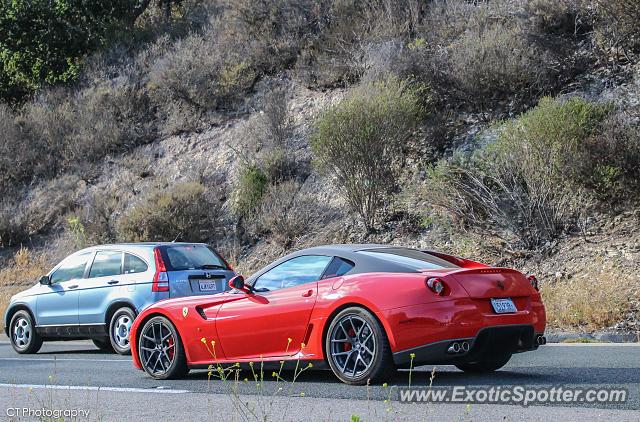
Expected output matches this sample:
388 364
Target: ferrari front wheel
357 348
160 350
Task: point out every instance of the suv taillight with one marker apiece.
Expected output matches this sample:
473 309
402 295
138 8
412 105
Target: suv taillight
161 278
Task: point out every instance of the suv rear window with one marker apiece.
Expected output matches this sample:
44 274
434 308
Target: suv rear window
133 264
191 257
411 258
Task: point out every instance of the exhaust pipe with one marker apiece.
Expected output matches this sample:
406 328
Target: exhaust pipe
465 346
454 348
541 340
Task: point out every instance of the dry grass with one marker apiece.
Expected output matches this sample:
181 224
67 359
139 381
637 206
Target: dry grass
22 273
592 301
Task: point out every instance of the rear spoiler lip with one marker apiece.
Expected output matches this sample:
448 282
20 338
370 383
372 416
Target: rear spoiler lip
480 270
485 270
461 262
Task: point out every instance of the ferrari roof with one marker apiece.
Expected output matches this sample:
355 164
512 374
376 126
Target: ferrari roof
351 247
364 262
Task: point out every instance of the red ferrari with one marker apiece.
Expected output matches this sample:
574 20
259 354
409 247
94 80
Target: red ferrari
363 310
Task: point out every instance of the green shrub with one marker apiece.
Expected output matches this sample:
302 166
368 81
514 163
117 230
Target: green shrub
489 63
199 73
19 158
50 200
333 55
480 53
82 126
44 42
275 29
206 81
287 213
616 27
613 170
563 17
98 217
25 213
528 186
182 212
360 142
251 186
14 223
269 139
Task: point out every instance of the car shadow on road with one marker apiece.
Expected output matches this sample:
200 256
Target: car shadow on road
446 376
77 351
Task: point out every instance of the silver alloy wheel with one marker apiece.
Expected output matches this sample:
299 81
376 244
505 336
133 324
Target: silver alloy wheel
21 333
157 348
353 345
121 330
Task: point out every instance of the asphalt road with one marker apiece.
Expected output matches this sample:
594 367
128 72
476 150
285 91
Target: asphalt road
76 369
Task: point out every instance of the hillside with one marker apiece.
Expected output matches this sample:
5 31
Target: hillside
502 131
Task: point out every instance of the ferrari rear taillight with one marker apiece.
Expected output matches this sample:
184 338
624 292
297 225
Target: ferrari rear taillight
436 285
533 281
160 278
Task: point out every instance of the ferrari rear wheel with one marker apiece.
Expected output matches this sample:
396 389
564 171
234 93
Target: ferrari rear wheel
357 348
486 365
161 351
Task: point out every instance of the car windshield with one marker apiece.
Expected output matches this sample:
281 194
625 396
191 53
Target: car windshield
191 257
412 258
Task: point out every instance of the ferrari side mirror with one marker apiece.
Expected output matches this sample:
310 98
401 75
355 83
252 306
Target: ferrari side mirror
237 283
45 280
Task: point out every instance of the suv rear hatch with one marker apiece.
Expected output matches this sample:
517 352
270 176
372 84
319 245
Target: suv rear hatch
195 269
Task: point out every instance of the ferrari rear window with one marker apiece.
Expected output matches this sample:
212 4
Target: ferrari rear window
411 258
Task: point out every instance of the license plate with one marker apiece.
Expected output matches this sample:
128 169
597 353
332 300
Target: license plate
503 306
208 286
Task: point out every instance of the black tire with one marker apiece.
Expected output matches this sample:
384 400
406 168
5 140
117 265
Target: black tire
23 335
104 344
380 367
484 366
120 339
172 369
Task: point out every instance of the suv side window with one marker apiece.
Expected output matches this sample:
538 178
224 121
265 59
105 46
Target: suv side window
71 268
133 264
106 263
294 272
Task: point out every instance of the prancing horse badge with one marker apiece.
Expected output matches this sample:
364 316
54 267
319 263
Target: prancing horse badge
185 311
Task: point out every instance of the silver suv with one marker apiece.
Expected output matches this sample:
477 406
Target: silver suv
97 292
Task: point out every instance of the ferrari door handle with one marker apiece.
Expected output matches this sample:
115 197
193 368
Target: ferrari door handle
75 286
113 282
308 293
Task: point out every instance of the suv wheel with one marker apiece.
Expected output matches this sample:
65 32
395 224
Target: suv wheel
119 329
24 338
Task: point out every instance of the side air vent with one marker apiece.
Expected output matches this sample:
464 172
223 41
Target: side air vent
201 312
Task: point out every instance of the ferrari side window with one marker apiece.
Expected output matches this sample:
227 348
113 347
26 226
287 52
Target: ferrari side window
294 272
338 267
